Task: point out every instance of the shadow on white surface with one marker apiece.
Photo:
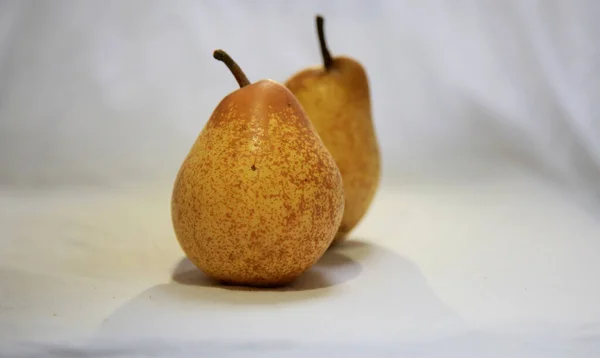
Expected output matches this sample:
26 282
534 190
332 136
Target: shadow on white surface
332 269
387 299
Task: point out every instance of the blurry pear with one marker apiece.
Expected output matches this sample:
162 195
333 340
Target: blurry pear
259 198
336 98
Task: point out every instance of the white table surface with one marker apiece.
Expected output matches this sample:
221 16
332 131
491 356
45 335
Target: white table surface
500 267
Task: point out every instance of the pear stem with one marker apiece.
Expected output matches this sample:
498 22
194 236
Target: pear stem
327 60
237 72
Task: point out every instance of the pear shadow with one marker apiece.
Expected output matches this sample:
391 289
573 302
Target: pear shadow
356 248
333 268
355 285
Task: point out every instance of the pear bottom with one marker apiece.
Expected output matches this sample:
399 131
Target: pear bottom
257 273
274 282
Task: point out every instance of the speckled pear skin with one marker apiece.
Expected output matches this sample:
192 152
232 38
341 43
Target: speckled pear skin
337 102
259 198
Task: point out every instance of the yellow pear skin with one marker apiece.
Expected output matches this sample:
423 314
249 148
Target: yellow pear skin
336 98
259 198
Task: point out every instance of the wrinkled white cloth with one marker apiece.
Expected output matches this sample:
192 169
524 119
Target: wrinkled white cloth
482 241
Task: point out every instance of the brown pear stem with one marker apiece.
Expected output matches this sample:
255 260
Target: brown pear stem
237 72
327 60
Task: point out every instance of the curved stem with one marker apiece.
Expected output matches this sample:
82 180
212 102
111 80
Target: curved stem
237 72
327 60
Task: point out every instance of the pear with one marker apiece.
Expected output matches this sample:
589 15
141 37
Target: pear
336 98
258 198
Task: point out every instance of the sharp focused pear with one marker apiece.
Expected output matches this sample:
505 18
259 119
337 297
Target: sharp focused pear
259 198
336 98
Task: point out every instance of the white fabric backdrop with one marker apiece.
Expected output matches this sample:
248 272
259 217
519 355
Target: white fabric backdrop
105 91
100 94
